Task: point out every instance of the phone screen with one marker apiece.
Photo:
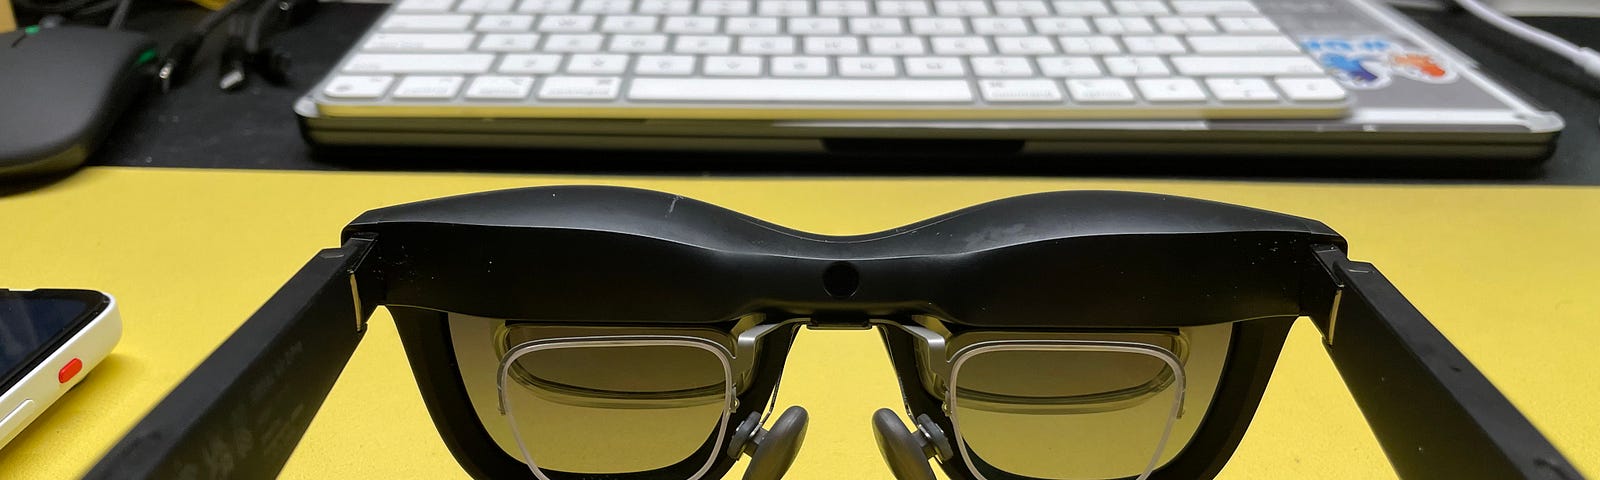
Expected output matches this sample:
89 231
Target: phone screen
34 323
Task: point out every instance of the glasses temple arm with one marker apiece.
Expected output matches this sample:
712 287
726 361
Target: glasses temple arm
243 410
1434 413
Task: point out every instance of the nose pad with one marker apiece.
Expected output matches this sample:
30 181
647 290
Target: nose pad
772 450
905 451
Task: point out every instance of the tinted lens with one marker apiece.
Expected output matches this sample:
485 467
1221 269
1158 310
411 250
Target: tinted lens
1065 411
616 407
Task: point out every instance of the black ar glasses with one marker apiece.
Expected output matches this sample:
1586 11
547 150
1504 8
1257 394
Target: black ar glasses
596 332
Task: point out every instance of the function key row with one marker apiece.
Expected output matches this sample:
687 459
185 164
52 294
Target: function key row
616 23
827 44
839 7
848 66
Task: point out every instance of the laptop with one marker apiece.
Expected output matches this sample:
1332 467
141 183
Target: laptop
1408 96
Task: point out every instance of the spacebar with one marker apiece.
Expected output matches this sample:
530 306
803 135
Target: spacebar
777 90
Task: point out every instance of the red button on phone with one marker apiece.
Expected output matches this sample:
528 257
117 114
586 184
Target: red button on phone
70 370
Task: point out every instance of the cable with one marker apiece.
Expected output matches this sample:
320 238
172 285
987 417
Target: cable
176 62
1586 58
120 15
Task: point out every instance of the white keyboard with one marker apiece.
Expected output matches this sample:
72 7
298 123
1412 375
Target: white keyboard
829 59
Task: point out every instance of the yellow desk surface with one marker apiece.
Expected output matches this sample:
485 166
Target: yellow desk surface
1510 274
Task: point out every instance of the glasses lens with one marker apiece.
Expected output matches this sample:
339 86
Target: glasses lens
589 407
1065 411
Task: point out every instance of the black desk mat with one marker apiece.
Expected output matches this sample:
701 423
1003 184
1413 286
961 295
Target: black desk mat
199 126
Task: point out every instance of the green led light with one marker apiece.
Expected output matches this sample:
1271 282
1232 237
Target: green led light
145 57
32 29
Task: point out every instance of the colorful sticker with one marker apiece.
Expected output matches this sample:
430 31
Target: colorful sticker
1370 62
1423 67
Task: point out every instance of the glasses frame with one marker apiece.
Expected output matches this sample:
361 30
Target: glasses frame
1101 255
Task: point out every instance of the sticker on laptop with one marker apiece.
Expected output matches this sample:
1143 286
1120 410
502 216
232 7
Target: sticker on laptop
1370 63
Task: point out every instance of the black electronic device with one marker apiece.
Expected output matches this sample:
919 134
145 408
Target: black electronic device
61 89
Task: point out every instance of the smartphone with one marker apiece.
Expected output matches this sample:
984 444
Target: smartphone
49 340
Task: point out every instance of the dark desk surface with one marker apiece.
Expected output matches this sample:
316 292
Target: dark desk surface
200 126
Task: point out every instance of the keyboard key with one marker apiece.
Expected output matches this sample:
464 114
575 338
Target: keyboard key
581 88
484 6
702 44
357 86
612 7
902 8
1062 26
424 5
664 65
690 25
427 87
751 26
546 6
1099 90
1024 45
938 26
1247 25
867 67
800 90
766 45
420 63
783 8
895 46
1212 7
1069 67
495 87
508 42
1130 66
1170 90
1140 7
1242 44
1020 91
960 45
1242 89
665 7
504 23
638 43
877 26
1186 25
1311 89
1002 66
629 24
567 23
574 43
833 45
1165 44
418 42
732 66
1081 7
1027 8
961 8
999 26
1089 45
426 23
799 66
1123 25
816 26
1200 66
530 63
724 7
935 67
843 8
597 64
